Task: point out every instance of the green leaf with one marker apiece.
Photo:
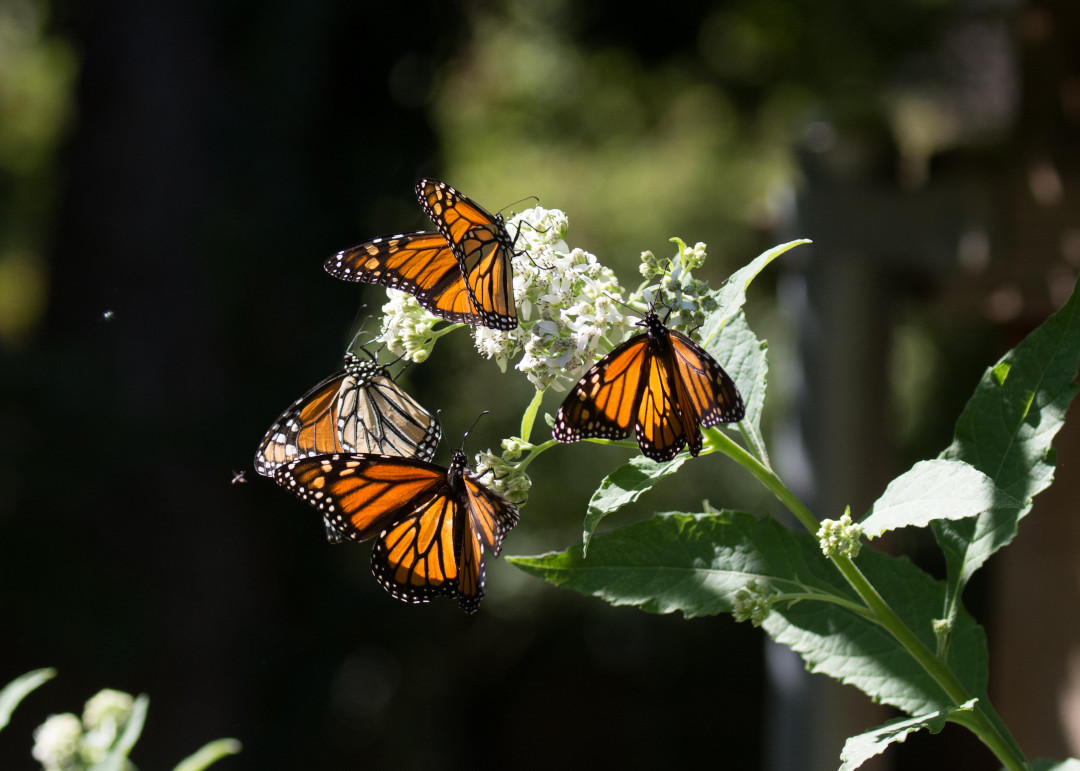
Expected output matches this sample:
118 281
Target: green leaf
858 749
209 754
933 490
529 417
624 486
732 295
743 356
691 563
125 743
17 690
697 564
856 651
1005 431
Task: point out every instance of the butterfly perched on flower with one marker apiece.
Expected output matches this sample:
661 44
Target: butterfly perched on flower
431 523
462 273
359 409
660 384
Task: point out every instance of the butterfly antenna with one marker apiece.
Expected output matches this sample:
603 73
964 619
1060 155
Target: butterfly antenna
520 200
626 305
482 414
360 329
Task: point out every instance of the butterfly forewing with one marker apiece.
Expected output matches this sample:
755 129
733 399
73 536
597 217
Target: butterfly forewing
409 261
604 402
376 416
711 392
308 427
360 494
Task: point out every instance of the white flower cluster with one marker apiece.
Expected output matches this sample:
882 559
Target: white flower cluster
689 299
569 305
503 476
65 742
407 327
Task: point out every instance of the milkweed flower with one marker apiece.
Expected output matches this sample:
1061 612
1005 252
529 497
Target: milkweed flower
65 742
103 716
568 305
503 477
407 328
688 299
56 741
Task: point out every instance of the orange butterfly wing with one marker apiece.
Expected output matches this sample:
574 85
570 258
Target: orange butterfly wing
308 427
414 559
422 264
604 403
483 249
707 389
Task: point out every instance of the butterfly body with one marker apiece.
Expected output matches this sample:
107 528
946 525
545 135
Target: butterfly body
660 384
462 273
432 524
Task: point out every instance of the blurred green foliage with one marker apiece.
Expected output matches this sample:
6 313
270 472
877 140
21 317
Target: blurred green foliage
37 71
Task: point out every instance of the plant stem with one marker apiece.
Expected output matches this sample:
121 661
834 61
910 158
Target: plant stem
766 476
981 720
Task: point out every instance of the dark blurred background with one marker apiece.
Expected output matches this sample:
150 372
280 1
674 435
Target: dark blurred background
172 175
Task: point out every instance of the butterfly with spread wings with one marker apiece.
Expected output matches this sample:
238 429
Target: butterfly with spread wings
360 409
661 384
432 523
462 273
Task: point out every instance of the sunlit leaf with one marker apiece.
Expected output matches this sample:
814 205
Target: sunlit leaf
697 564
1005 431
732 295
933 490
858 749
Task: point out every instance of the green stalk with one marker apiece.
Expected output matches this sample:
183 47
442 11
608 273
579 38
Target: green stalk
981 721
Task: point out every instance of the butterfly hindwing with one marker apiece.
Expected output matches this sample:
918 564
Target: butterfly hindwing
413 558
663 425
375 416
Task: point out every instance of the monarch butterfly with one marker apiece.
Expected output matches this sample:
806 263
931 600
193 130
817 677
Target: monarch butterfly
660 382
359 409
432 523
462 273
